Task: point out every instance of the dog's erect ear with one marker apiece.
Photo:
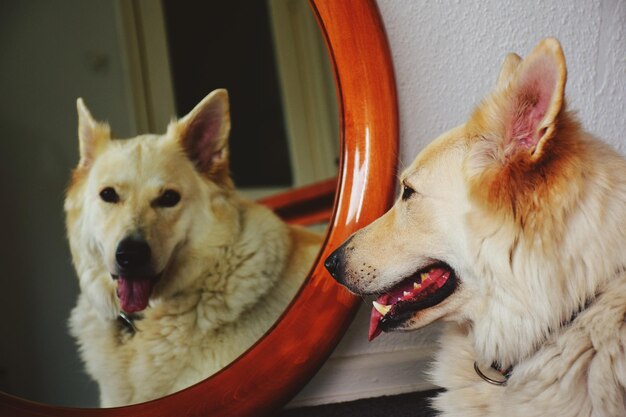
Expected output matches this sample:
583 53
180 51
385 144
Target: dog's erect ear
534 99
203 134
510 64
91 134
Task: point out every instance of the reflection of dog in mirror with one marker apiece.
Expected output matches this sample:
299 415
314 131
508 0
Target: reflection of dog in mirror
178 274
512 227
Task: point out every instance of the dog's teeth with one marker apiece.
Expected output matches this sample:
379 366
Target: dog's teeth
406 293
424 276
416 286
382 309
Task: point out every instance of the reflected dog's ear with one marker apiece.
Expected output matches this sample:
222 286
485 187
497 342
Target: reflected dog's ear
92 135
203 134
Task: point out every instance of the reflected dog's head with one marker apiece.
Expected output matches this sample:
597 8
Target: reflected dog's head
134 205
496 225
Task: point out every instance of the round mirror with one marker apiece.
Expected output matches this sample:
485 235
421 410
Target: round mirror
279 364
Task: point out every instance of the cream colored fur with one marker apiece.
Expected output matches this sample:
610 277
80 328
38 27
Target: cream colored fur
529 210
228 267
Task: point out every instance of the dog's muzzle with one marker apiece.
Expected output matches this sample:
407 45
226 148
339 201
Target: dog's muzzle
135 275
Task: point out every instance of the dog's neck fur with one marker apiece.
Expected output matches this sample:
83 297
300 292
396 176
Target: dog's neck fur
576 371
507 372
525 324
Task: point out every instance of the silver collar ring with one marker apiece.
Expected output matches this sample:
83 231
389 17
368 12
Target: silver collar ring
490 380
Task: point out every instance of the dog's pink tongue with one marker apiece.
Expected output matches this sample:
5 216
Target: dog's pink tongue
134 293
375 317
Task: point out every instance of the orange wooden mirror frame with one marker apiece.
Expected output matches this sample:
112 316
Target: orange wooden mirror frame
272 371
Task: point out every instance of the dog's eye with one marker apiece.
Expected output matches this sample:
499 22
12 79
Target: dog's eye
407 192
168 199
109 195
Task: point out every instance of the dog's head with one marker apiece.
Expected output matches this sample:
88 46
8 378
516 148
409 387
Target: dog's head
132 203
490 227
409 257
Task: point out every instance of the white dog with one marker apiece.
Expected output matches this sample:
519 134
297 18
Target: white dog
178 274
512 227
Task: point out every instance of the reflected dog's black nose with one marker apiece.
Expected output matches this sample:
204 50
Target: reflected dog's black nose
133 256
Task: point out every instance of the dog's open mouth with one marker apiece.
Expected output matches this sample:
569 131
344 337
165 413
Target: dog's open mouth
134 292
424 289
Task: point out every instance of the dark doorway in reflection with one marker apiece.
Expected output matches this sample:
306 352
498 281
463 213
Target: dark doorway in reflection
228 44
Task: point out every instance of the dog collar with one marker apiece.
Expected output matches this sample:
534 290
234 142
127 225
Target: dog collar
128 321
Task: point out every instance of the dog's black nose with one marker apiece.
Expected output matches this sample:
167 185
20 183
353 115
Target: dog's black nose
335 263
133 255
332 262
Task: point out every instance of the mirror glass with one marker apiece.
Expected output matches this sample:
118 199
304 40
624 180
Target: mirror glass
136 64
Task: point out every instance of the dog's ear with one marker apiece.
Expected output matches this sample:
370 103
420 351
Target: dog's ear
510 64
92 135
534 99
203 134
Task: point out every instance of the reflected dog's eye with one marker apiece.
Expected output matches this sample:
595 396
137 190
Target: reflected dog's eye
109 195
169 198
407 192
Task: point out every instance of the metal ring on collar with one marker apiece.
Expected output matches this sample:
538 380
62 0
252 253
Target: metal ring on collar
128 321
486 378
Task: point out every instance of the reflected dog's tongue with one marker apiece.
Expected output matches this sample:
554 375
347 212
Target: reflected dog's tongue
134 293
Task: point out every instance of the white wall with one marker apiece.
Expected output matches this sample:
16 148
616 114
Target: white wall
447 55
